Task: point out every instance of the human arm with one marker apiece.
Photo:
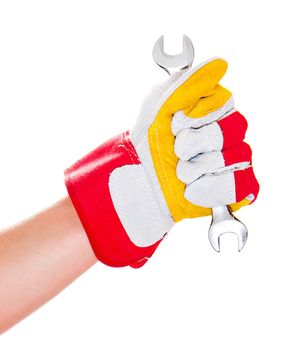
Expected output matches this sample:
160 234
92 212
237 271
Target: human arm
38 259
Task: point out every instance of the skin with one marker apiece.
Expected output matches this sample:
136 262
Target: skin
40 257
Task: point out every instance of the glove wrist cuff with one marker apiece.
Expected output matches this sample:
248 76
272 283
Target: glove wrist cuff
88 182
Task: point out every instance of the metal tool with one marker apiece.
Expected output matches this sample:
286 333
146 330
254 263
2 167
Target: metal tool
173 63
223 221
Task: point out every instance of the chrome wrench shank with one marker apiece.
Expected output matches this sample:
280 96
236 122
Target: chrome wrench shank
223 221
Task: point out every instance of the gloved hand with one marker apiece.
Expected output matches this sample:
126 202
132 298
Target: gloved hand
184 156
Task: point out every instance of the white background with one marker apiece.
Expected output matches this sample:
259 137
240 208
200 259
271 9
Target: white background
73 74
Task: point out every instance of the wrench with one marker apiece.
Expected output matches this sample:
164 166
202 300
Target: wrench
223 221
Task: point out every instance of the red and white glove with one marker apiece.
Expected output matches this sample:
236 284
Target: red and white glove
184 156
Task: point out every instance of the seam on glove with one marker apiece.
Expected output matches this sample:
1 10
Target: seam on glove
168 182
126 144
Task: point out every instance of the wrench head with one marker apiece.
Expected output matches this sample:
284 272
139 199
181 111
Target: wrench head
232 225
174 63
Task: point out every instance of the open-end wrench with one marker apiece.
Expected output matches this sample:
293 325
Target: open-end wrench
223 221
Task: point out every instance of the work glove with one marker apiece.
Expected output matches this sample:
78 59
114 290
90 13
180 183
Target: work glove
184 156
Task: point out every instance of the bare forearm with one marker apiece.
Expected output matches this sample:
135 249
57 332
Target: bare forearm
38 259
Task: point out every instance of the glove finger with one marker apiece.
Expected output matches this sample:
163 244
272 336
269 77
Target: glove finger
216 136
239 153
223 189
183 121
233 128
237 157
247 186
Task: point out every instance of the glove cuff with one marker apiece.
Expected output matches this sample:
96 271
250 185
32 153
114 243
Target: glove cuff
88 185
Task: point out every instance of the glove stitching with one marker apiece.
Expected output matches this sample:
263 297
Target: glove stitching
127 149
166 182
132 150
149 192
128 146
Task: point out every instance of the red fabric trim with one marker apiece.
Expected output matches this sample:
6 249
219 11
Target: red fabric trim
87 185
234 128
239 153
245 184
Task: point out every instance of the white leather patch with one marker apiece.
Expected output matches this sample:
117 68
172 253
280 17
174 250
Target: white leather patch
191 142
137 206
144 155
189 171
212 190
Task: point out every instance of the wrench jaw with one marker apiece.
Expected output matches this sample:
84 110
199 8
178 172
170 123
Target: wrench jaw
224 222
173 63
